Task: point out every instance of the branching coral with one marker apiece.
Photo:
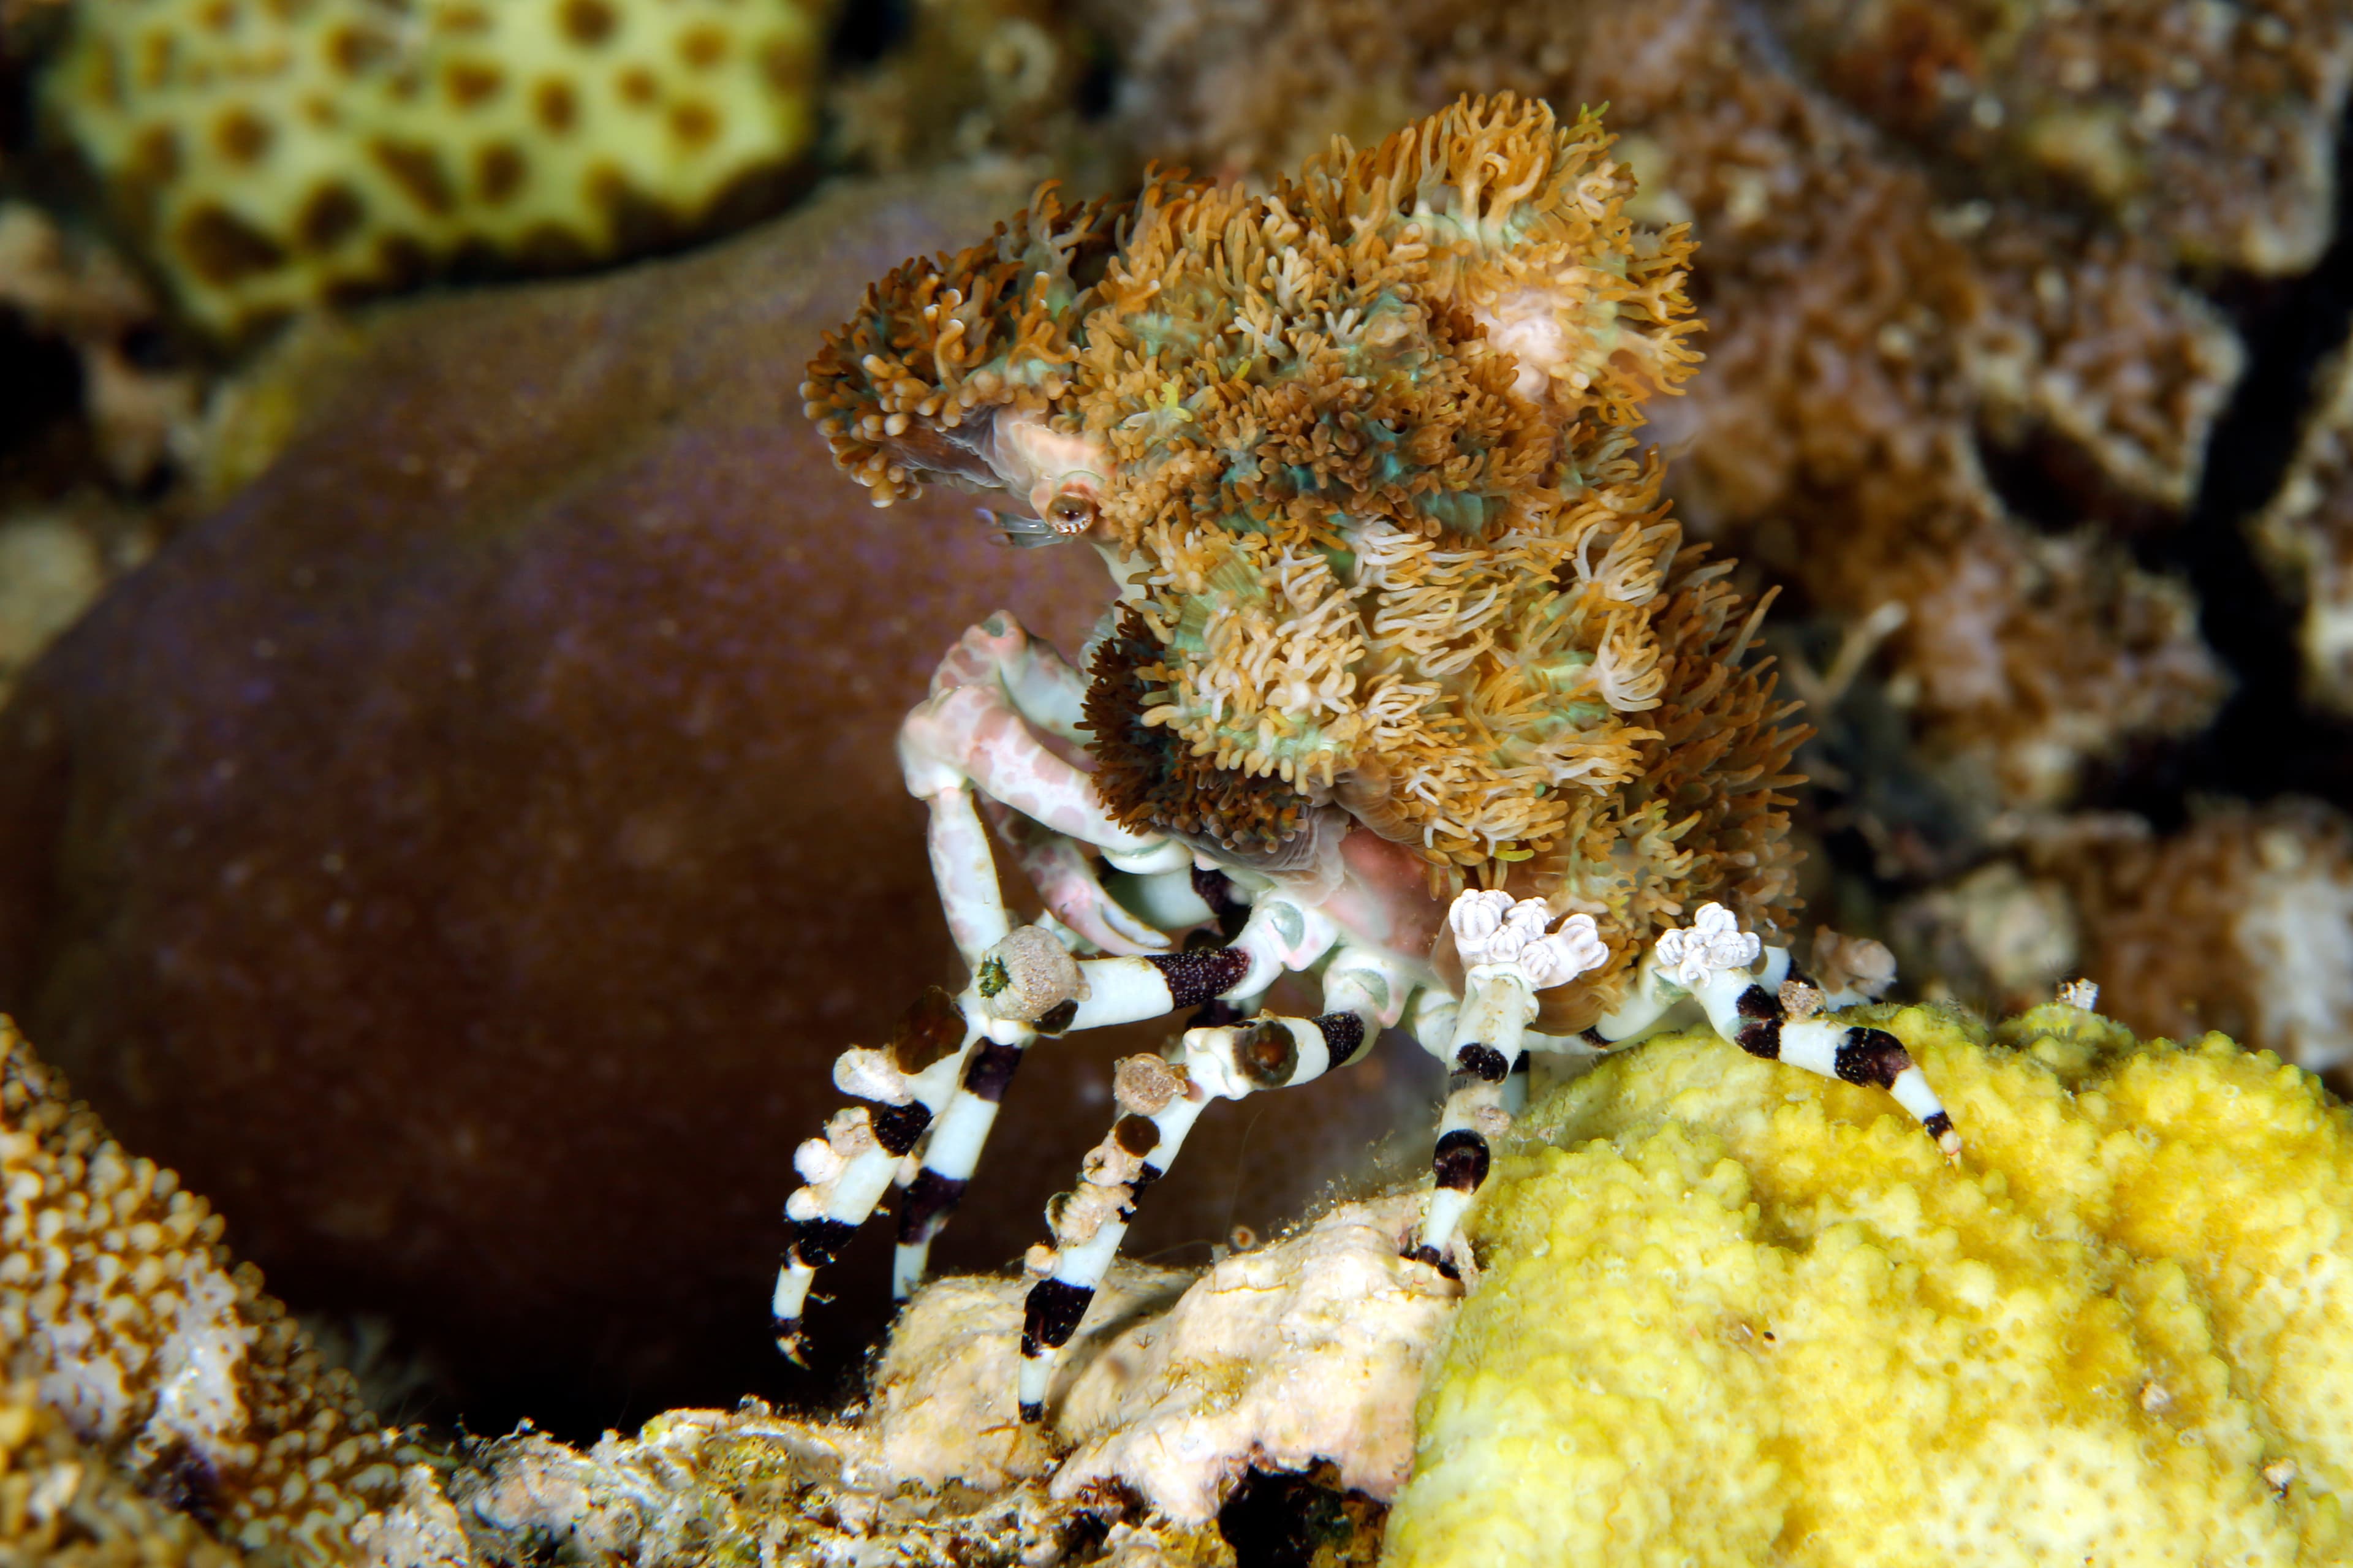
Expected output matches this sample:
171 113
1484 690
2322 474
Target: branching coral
1731 1315
122 1311
269 156
1867 333
1364 446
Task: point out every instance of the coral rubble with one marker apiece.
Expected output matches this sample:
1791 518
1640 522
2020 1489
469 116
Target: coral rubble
1299 1356
1305 1350
271 157
1732 1314
123 1314
1871 337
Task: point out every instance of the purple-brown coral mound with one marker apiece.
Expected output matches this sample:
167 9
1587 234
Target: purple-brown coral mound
459 856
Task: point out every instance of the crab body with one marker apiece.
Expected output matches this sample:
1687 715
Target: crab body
1410 684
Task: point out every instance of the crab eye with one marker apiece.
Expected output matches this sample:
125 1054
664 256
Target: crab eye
1072 514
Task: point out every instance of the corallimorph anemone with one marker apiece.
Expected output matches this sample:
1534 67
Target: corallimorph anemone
1364 450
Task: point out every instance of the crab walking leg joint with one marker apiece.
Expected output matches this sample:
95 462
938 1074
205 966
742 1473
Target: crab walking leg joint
1508 957
1027 984
1159 1101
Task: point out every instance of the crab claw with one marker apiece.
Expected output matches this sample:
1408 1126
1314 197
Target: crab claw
1066 878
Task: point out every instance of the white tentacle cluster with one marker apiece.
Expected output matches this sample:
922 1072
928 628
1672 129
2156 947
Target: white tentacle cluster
1492 930
1714 942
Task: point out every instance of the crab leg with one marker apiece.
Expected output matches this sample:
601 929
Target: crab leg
1065 878
1510 957
1279 935
972 727
1033 675
1024 985
1159 1099
902 1087
1715 962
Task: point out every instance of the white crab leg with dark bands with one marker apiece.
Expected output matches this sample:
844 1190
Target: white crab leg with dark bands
1278 936
1510 955
1159 1107
1495 1011
1717 964
1749 1014
863 1148
953 1153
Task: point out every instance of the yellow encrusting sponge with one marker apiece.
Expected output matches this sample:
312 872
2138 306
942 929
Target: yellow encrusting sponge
272 153
1732 1313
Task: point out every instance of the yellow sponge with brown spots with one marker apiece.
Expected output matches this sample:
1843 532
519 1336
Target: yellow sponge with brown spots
271 154
1732 1313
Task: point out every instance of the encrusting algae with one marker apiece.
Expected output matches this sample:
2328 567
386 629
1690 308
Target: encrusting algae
1365 448
1731 1314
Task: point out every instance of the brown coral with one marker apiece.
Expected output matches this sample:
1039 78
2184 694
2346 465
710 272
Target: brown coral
1869 334
2208 126
124 1311
2241 923
62 1505
2304 538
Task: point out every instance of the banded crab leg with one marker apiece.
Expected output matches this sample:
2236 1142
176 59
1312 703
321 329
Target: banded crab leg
1756 997
1509 956
1715 962
1032 978
971 735
1026 985
1159 1098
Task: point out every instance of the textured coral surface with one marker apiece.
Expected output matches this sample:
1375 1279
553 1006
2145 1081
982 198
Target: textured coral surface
461 857
2242 921
62 1506
1873 334
1732 1313
1305 1351
2306 538
2209 126
274 155
122 1313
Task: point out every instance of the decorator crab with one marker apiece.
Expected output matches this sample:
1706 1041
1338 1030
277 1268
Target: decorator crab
1411 685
